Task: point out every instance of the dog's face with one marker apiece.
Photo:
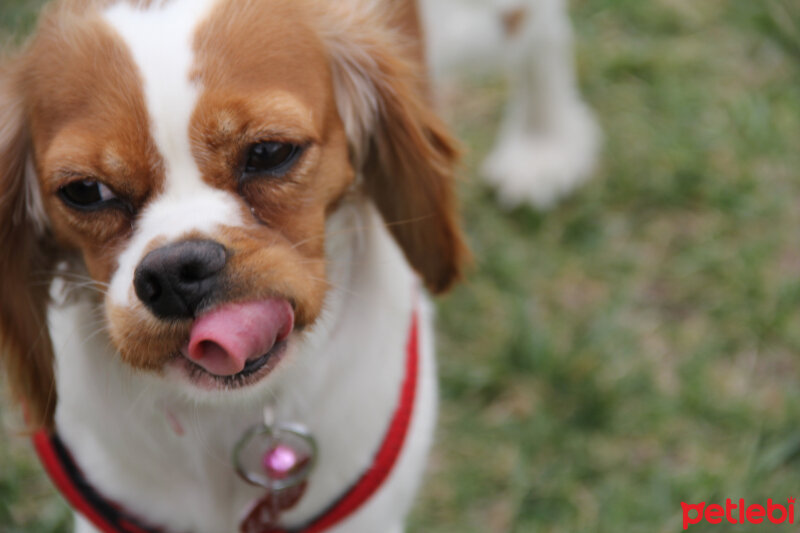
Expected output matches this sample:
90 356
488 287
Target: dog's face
187 155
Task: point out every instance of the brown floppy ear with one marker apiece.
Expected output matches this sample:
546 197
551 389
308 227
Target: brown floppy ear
25 347
407 157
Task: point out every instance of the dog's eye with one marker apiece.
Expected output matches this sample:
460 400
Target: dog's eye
86 195
271 158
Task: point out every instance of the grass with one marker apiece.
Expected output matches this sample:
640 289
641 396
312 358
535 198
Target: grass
638 346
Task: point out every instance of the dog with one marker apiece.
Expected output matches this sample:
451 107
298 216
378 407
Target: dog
219 220
549 140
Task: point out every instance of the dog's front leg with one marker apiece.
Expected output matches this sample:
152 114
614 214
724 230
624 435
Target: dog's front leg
548 142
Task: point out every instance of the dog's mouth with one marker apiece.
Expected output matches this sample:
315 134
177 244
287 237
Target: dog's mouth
237 344
253 372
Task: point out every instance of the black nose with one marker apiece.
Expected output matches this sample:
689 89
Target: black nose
173 281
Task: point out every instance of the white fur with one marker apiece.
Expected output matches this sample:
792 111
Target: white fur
187 203
343 381
170 217
548 142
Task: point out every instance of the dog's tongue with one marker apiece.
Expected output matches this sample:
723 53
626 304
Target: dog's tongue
224 340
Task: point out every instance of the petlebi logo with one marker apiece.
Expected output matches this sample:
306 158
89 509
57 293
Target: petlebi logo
738 512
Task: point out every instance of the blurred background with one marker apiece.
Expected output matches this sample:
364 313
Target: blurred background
638 345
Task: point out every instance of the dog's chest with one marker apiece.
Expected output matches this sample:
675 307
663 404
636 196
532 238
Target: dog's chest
171 462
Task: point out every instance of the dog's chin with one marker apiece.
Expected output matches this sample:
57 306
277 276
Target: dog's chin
254 372
193 382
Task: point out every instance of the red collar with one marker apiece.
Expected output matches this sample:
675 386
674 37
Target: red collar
108 517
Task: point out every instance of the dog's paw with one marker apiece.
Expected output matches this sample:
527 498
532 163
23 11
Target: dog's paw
540 167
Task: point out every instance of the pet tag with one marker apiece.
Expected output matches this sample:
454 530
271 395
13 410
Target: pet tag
278 458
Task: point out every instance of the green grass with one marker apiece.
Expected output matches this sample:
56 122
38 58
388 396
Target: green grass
639 346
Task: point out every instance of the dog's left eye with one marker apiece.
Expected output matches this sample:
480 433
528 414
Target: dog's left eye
86 195
271 159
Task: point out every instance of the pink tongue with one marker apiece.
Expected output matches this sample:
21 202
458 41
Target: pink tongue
224 340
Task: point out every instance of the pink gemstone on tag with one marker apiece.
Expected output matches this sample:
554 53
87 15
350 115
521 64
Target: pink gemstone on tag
280 461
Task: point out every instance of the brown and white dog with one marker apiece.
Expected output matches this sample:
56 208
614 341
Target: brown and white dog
210 205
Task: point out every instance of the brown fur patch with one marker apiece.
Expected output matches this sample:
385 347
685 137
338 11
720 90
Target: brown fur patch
406 17
266 77
71 129
25 346
97 130
513 20
411 159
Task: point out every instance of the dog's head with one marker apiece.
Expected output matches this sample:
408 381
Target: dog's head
186 154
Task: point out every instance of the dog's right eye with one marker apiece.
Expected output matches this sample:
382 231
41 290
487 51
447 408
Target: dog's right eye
87 195
271 159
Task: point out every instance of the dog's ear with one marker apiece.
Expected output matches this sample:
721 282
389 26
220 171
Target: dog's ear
25 347
406 156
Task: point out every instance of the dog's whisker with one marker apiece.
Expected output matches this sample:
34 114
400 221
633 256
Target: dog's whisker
205 447
336 286
138 398
360 228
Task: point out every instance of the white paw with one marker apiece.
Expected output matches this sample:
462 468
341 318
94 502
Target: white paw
541 167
